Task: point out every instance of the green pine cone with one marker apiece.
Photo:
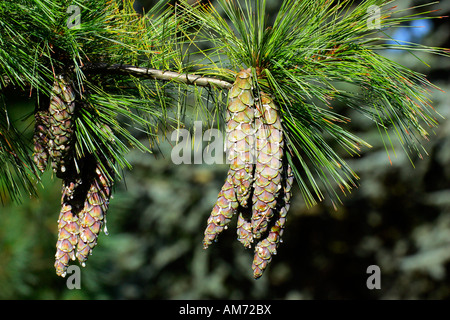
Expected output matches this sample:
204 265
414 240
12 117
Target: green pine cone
68 230
40 140
93 215
254 130
68 226
223 211
267 247
240 135
269 160
61 110
85 199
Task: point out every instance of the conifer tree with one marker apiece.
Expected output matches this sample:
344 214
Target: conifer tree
97 71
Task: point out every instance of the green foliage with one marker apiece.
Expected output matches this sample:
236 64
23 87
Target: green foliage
37 45
15 162
314 54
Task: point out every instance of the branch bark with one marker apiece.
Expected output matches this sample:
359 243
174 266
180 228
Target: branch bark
187 78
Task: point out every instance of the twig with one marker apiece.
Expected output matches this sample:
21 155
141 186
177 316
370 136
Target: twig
156 74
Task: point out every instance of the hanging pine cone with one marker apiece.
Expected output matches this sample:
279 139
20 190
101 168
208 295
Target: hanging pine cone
85 199
68 230
61 110
223 211
54 128
258 171
40 140
269 160
239 146
68 221
240 135
267 247
93 215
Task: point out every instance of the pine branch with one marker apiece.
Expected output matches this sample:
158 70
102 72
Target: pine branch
186 78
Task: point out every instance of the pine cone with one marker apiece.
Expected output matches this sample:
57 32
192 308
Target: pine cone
40 140
254 130
239 146
68 222
240 135
68 231
85 200
223 211
61 110
269 160
267 247
93 215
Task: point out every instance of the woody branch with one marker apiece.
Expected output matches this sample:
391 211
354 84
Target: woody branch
156 74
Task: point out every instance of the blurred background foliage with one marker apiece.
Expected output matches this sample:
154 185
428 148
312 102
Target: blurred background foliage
398 219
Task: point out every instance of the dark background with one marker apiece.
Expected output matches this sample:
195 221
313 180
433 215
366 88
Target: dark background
398 219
